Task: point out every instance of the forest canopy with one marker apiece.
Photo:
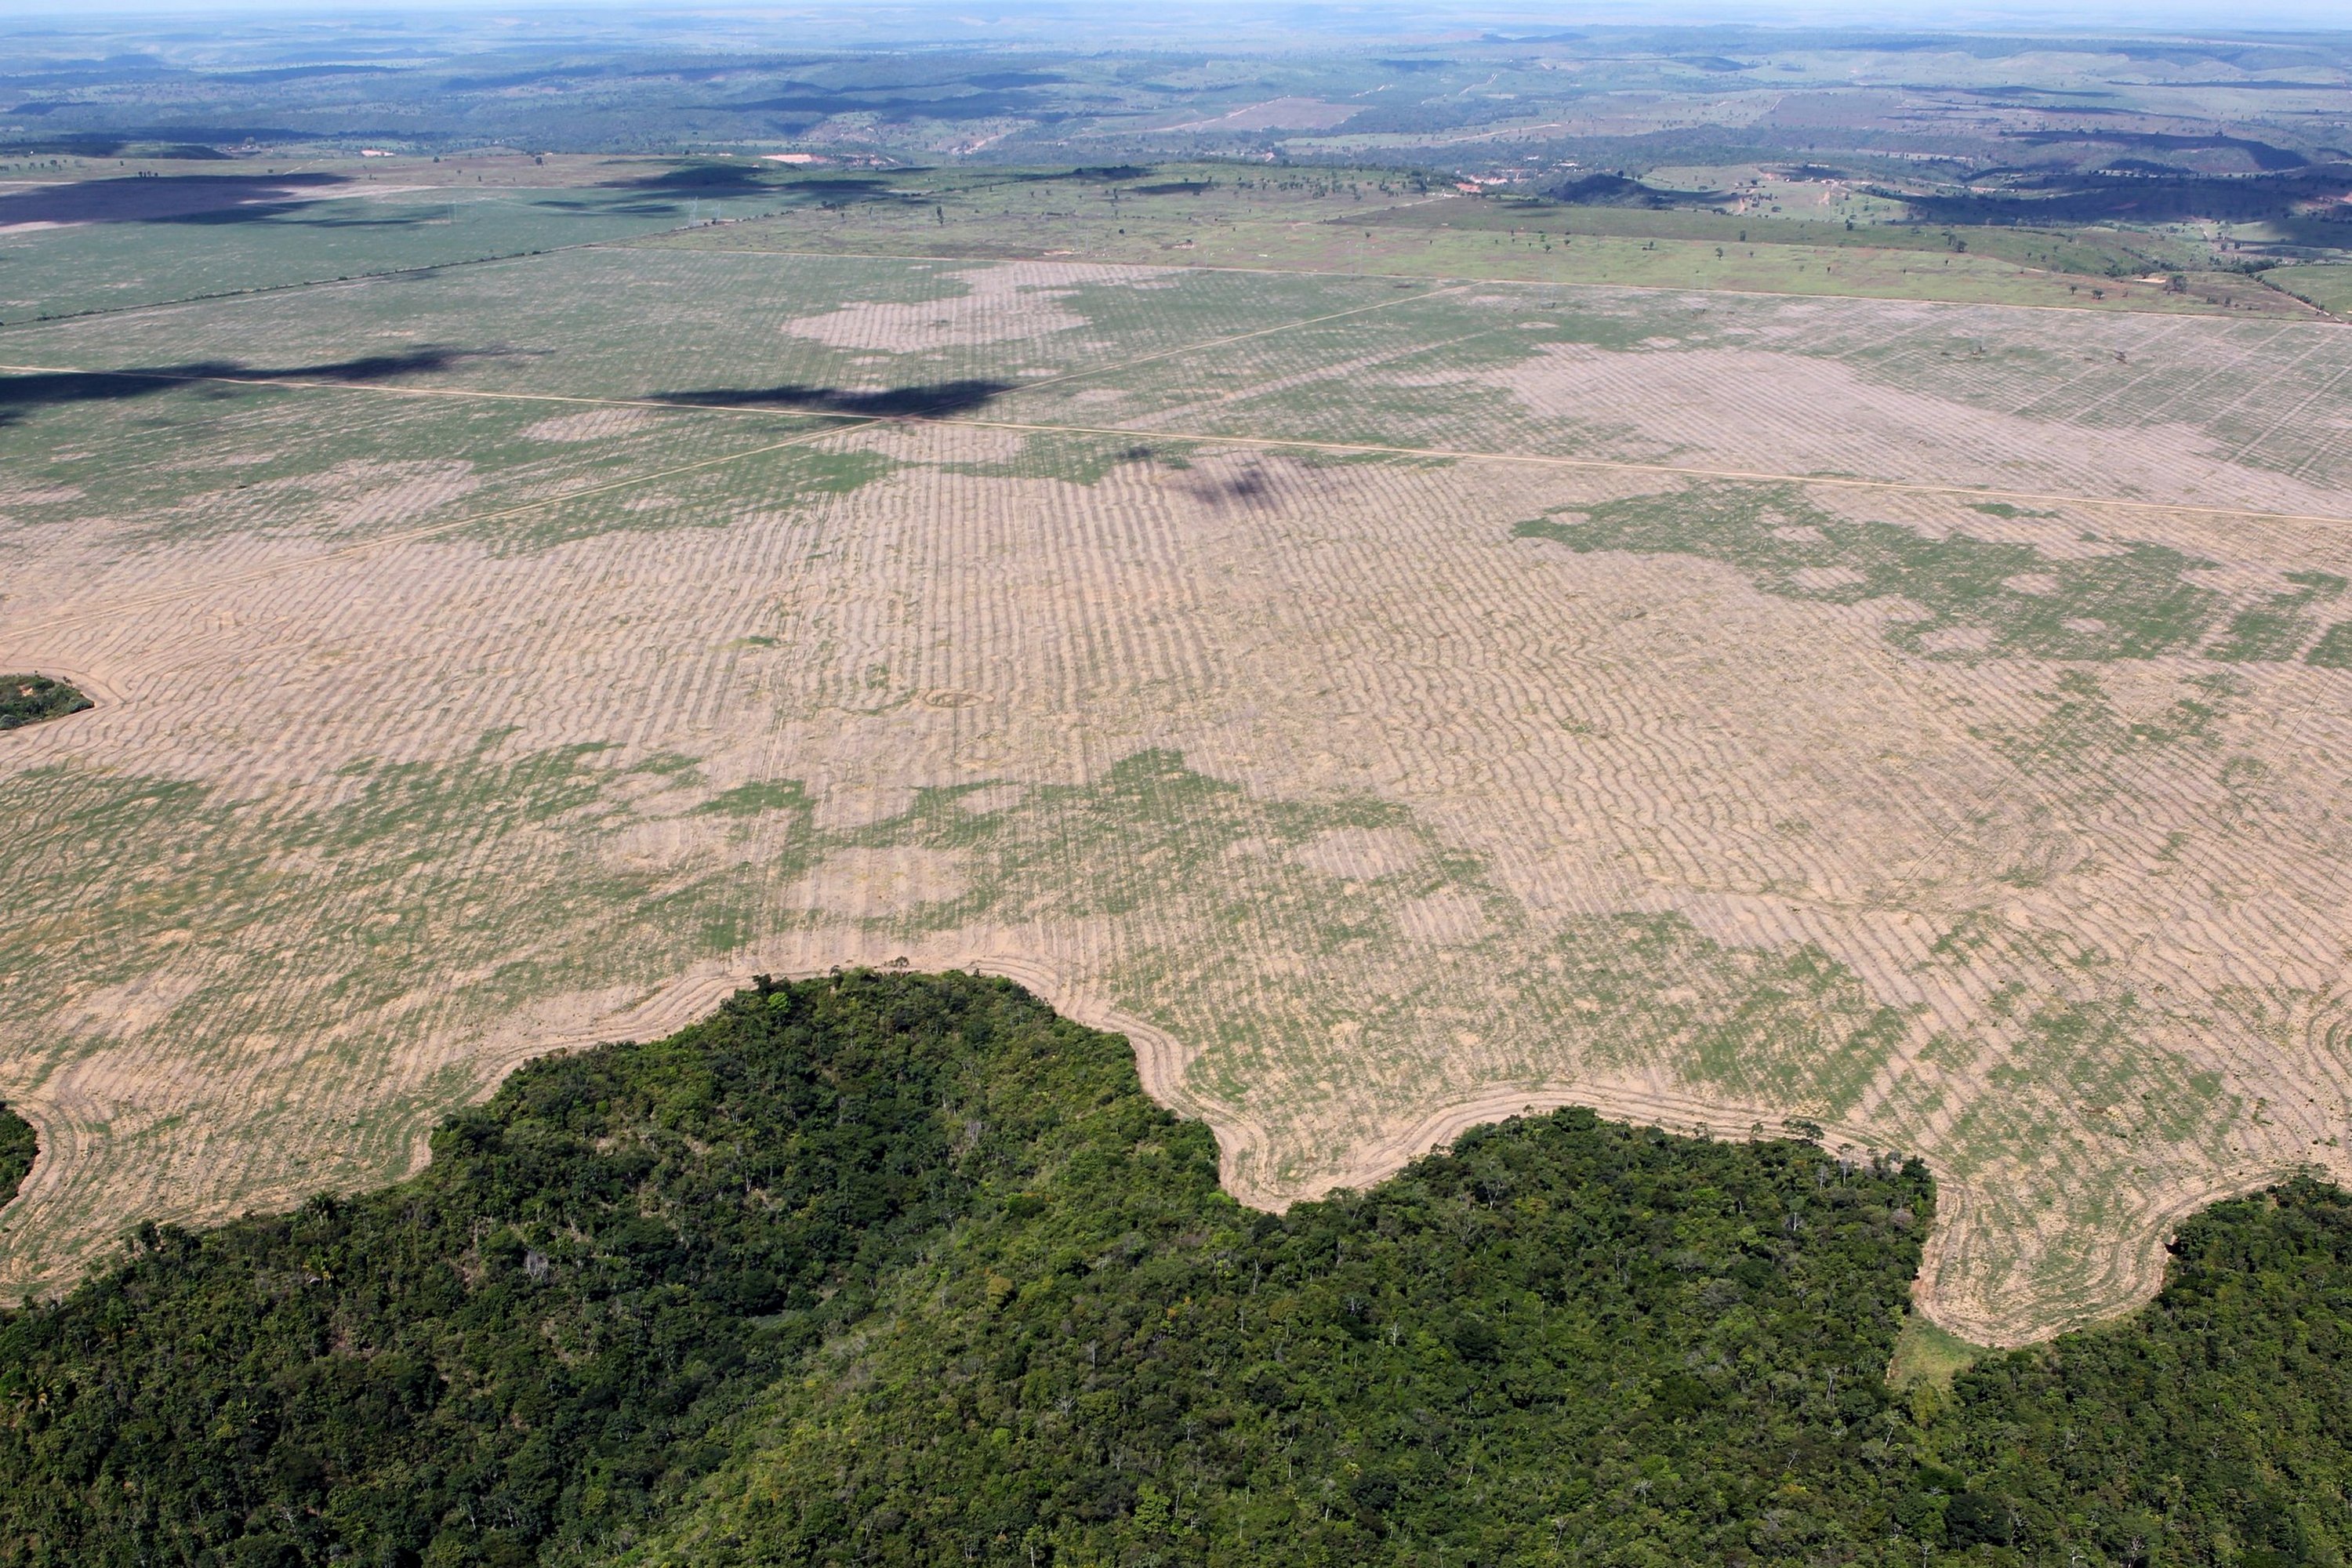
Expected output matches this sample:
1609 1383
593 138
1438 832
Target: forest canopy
29 698
906 1268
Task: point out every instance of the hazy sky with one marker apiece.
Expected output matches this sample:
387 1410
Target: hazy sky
1206 19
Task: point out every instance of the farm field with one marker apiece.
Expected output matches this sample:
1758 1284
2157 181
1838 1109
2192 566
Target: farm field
1377 221
93 235
1394 700
2328 287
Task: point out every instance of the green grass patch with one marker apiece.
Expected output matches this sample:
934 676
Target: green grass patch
2279 627
2334 649
1925 1353
2134 604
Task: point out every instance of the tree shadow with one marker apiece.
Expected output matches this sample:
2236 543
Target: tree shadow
21 395
939 398
1246 488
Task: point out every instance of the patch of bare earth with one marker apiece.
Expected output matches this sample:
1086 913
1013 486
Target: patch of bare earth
1003 304
1365 818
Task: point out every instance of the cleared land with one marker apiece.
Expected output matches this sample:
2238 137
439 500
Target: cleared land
1381 222
1392 701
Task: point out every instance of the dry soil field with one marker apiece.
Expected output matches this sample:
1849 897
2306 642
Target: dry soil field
1394 701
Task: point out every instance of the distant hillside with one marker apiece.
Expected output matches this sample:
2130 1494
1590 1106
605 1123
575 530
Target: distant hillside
1619 190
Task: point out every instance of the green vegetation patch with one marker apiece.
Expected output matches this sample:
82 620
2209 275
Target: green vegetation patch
2327 287
2132 603
760 485
2334 649
1157 849
1078 458
536 1340
895 1267
29 698
1926 1353
2081 723
2207 1428
17 1149
2280 627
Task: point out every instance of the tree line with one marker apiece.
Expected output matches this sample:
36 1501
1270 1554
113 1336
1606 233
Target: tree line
897 1268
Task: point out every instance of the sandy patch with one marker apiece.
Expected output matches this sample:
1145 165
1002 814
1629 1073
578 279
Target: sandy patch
595 425
666 844
367 495
1448 918
1819 579
1894 608
38 495
131 1007
876 884
1759 410
992 798
999 304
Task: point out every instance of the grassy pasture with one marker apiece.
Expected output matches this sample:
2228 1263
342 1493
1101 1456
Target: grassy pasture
1373 221
95 237
2327 287
1169 635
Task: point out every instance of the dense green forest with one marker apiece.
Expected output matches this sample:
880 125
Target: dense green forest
16 1151
29 698
899 1268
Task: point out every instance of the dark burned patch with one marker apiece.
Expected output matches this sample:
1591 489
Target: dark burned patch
29 698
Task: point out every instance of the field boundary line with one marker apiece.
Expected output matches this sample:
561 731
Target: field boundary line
1418 294
1608 465
1453 280
845 422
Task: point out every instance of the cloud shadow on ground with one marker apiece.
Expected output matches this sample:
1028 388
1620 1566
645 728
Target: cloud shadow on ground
934 399
22 394
178 198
